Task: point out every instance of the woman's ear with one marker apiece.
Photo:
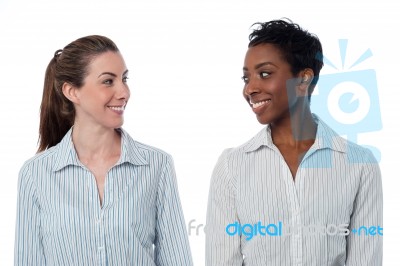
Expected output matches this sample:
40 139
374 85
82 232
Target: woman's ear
306 76
70 92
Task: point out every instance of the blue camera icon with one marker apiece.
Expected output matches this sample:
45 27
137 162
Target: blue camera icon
349 103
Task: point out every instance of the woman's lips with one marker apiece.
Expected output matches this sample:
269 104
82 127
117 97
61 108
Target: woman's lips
259 106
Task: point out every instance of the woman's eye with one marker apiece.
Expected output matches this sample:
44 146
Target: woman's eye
245 79
125 79
108 82
264 74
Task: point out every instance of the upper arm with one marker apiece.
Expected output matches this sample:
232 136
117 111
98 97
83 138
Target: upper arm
171 244
364 248
28 246
221 248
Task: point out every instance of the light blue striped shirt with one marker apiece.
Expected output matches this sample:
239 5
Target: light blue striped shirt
60 220
337 189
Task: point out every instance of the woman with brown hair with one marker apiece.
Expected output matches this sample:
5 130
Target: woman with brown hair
93 195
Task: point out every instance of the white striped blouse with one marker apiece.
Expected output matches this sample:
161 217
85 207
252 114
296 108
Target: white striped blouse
333 207
60 220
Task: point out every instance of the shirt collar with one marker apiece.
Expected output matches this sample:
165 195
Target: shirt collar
326 138
66 153
130 151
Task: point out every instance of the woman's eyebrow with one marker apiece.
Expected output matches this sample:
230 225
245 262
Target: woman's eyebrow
259 65
112 74
107 73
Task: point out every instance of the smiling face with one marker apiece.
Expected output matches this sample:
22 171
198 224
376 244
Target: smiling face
266 76
102 99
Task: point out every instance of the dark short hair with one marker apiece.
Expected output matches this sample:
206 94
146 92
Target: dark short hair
299 48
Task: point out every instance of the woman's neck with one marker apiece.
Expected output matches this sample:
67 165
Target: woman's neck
93 143
298 129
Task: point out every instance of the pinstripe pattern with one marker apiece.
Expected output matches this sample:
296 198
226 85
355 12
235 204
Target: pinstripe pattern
60 220
338 182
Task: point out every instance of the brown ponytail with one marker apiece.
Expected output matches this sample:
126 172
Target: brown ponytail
57 113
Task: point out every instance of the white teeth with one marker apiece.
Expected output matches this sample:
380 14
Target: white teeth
117 108
256 105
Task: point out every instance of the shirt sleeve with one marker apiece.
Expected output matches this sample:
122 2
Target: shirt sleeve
171 243
222 249
364 247
28 248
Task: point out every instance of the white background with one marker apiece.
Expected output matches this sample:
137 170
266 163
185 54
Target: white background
185 60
